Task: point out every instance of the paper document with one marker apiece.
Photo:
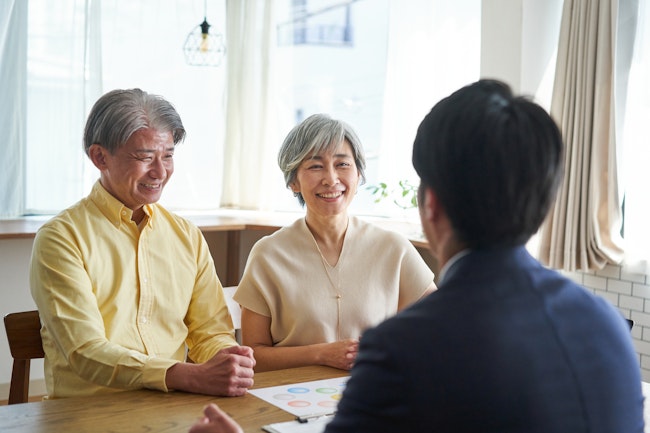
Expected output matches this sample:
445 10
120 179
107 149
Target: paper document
316 398
313 426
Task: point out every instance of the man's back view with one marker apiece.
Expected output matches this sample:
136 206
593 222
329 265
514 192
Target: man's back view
504 345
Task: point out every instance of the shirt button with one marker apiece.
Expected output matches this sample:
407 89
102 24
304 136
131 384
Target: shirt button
143 320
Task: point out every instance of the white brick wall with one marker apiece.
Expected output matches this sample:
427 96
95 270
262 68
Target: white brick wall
630 292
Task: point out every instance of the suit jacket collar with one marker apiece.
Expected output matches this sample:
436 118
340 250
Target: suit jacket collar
480 262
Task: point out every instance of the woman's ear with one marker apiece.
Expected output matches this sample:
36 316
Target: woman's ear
97 155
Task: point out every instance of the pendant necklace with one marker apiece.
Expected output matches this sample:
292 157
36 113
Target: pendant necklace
337 290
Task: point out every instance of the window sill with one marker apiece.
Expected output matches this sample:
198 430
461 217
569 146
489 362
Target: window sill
226 220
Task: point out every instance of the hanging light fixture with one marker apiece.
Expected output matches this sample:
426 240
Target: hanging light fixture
203 48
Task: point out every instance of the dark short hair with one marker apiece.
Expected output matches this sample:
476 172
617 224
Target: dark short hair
494 160
315 134
119 113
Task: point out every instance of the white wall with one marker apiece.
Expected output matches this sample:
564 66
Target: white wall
519 41
629 291
501 41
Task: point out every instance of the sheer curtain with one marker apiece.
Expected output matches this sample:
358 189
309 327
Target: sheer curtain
44 93
142 46
61 82
13 55
58 58
583 228
251 123
423 66
636 151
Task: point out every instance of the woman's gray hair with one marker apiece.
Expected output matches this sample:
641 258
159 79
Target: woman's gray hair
317 134
119 113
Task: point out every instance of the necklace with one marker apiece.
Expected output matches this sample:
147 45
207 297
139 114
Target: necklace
337 290
326 266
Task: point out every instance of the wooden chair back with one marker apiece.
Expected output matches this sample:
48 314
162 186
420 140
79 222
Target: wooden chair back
24 336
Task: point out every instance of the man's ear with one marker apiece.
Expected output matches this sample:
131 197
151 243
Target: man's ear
97 155
430 205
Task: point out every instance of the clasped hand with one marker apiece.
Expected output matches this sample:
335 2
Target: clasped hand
228 373
340 354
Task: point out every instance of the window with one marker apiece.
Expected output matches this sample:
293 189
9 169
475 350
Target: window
380 65
75 54
55 166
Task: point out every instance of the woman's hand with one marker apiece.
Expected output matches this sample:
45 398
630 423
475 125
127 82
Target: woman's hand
256 333
340 354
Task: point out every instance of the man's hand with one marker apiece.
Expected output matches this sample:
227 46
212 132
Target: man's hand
228 373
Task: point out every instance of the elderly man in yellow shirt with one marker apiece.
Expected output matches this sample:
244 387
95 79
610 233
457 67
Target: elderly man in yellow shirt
125 289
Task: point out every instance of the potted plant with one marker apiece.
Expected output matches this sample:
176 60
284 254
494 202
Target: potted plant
404 195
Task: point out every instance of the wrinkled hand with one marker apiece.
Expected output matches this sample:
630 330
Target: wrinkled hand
340 354
215 421
228 373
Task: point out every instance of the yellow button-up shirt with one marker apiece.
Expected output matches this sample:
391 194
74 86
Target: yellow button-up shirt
120 305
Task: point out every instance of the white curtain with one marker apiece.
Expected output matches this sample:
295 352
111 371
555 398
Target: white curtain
63 79
13 64
636 150
251 124
142 46
419 32
583 228
73 51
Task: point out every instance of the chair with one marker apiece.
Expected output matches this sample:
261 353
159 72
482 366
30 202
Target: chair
234 309
24 336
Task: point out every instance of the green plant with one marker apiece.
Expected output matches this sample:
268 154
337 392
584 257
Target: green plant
404 195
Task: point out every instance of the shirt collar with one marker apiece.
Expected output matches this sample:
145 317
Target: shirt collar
113 209
451 262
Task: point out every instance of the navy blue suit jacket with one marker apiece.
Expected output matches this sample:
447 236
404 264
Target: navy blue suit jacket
504 345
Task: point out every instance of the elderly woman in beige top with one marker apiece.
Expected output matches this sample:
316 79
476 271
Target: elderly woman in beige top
310 289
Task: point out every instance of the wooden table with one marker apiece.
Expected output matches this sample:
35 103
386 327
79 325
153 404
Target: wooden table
153 411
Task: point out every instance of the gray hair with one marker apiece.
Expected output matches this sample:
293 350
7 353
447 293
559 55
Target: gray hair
316 134
119 113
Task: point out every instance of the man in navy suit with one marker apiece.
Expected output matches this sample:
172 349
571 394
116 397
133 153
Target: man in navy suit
504 344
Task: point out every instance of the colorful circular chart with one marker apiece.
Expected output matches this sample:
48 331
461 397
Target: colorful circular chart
307 398
298 390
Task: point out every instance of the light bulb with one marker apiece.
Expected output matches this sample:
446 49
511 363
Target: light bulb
205 43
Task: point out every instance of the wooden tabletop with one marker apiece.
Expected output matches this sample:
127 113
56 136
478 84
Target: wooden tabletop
153 411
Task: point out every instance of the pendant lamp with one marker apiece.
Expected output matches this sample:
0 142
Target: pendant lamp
202 47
